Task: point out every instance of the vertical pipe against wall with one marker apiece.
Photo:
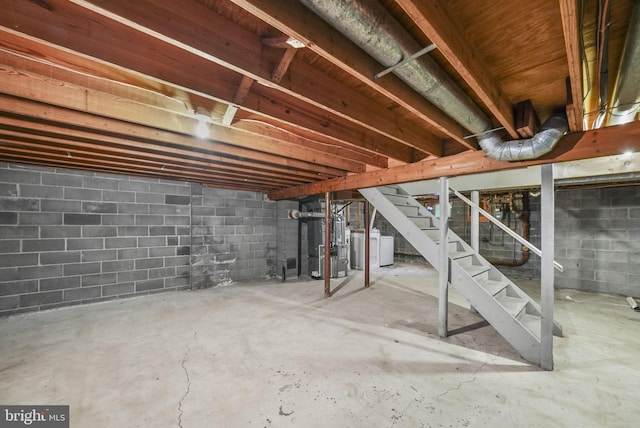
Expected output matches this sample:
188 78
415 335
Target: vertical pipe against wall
443 296
327 244
475 221
547 207
367 243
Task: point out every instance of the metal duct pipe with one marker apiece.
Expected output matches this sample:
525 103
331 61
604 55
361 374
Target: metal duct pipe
368 24
626 92
297 215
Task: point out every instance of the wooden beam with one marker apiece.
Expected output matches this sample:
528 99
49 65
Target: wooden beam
438 25
283 65
199 31
295 20
576 146
570 17
238 99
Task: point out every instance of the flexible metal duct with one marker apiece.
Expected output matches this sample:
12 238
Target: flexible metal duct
372 28
627 89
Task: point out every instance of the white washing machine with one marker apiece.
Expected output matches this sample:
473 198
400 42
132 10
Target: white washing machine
386 250
357 249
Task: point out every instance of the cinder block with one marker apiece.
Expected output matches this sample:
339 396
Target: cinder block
13 175
82 293
85 244
9 274
133 209
149 198
180 282
133 231
162 272
176 261
206 211
99 231
129 242
117 289
133 253
100 207
61 206
60 231
150 220
234 221
154 241
177 200
183 251
9 246
37 299
82 194
166 209
178 220
59 283
611 277
10 302
162 251
60 257
40 219
8 218
172 240
117 266
183 230
99 255
99 279
22 204
162 230
18 287
82 219
8 189
149 263
100 183
225 212
118 196
118 219
81 268
151 284
134 275
39 272
61 180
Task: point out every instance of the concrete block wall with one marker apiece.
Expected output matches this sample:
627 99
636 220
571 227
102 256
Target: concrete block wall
234 236
74 237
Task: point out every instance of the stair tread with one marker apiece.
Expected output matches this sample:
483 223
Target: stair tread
459 254
493 287
514 305
531 323
474 270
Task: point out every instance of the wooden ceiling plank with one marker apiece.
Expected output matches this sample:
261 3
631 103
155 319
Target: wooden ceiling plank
450 40
114 44
190 29
608 141
238 99
570 16
295 20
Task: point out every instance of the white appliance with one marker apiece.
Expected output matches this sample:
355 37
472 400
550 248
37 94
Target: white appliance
357 249
386 250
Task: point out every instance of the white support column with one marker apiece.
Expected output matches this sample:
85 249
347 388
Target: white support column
547 209
475 221
443 283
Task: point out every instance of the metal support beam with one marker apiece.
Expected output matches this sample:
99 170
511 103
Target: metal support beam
547 208
443 283
327 244
367 243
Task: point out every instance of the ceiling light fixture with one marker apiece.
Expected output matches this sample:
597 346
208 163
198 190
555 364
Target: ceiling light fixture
203 118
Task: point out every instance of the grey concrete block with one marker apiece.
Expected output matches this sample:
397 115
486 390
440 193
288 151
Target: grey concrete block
60 231
134 275
177 200
149 220
183 251
8 218
177 220
154 241
183 230
16 176
82 194
99 231
149 198
9 302
60 205
82 293
162 251
611 277
133 231
9 189
40 219
133 209
172 240
234 221
225 212
21 204
128 242
99 279
151 284
134 185
9 246
60 257
149 263
43 298
180 282
117 289
176 261
18 287
100 207
207 211
38 191
9 274
85 244
100 183
59 283
118 266
81 268
39 272
162 230
15 260
167 209
61 180
118 196
82 219
118 219
162 272
133 253
99 255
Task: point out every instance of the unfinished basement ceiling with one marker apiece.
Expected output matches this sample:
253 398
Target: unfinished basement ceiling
292 105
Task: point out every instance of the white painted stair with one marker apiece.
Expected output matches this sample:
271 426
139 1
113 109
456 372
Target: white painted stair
504 305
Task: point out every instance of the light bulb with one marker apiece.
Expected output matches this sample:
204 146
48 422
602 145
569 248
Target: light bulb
202 129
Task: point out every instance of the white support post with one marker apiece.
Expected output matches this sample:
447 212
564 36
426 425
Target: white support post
546 278
443 283
475 221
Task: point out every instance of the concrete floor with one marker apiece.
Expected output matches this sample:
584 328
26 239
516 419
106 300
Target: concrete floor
278 354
